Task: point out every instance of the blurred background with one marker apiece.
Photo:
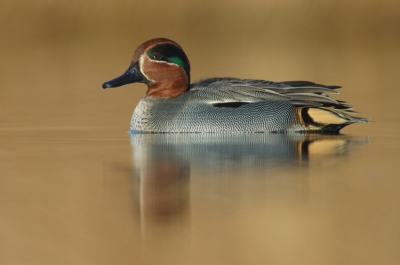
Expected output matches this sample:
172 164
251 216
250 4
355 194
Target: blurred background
63 136
58 53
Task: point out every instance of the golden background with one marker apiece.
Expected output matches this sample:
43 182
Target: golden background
56 54
63 195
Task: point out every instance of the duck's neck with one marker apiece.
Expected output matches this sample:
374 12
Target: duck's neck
168 88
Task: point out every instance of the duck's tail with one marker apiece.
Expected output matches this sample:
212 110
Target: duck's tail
316 110
327 119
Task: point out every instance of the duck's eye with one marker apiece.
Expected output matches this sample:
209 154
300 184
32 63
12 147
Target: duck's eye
156 56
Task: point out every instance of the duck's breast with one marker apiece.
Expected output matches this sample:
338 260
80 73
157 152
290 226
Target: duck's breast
189 113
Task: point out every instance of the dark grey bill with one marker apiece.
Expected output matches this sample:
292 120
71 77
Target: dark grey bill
132 75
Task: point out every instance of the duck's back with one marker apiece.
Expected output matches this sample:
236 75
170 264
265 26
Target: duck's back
239 106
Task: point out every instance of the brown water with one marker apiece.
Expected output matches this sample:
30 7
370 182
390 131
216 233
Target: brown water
76 188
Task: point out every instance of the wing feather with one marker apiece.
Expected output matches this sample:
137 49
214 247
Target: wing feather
300 93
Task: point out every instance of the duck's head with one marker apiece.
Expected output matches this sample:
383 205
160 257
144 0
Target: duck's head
162 65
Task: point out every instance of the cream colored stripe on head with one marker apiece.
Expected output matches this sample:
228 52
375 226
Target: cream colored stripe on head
141 67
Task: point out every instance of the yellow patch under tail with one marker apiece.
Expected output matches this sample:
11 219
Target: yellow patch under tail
326 120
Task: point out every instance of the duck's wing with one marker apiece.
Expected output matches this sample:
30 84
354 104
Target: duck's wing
300 93
315 109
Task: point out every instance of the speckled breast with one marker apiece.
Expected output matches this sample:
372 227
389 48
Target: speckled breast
191 113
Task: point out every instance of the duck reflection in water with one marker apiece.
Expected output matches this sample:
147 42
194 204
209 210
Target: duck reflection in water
162 163
162 188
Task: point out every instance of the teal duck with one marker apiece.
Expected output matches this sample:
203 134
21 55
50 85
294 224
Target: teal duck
225 104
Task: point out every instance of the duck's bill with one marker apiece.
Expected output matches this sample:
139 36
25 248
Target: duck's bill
132 75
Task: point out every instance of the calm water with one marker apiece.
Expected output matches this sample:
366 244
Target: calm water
107 197
76 188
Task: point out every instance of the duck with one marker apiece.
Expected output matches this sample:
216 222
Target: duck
225 104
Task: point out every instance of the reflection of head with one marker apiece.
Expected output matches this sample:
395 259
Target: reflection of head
163 191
